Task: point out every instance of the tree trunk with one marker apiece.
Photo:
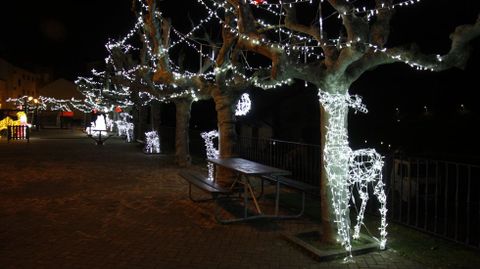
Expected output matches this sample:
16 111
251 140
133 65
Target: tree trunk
226 132
328 229
155 115
156 121
182 150
140 122
335 168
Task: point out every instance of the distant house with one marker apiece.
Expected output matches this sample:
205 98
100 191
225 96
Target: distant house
65 90
61 89
16 82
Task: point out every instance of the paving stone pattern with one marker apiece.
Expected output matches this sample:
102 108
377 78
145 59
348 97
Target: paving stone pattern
67 203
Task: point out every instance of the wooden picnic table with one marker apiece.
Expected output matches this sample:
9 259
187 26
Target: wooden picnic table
245 170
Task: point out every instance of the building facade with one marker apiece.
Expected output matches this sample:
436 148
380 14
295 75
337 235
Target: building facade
16 82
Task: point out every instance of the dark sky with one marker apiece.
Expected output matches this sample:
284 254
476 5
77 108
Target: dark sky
62 36
66 35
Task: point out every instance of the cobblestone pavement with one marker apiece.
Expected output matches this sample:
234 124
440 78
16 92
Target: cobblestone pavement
67 203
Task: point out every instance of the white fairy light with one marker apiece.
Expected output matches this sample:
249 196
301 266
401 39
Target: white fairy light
243 105
152 144
212 152
124 127
97 127
347 169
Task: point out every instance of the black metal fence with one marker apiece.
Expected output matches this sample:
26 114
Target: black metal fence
438 197
303 160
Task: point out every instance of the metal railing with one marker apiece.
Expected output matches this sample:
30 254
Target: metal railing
303 160
438 197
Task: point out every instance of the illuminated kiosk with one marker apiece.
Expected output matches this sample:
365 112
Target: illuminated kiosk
96 129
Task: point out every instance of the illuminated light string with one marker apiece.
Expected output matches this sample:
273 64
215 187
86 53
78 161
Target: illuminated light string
348 170
21 121
183 38
45 103
124 127
398 57
333 42
263 41
244 105
152 144
98 126
357 10
211 13
307 49
242 108
212 152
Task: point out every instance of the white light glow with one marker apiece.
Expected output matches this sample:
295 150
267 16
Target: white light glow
212 152
152 144
97 127
124 127
243 105
348 170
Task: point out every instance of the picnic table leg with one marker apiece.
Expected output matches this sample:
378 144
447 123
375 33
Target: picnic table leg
247 182
245 199
277 198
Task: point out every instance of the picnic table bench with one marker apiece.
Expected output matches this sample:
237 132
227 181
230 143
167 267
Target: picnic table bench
302 187
203 183
246 170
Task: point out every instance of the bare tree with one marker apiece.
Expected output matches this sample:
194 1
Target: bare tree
362 34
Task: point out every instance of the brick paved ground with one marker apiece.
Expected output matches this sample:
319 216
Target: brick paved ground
66 203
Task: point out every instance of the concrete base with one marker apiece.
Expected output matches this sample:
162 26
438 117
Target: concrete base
304 241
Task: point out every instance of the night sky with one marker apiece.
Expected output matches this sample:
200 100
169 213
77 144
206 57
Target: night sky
68 37
63 37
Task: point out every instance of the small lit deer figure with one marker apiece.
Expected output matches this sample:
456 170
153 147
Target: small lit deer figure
212 152
152 144
124 127
347 169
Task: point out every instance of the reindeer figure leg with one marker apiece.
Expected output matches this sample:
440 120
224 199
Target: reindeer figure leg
363 193
366 167
379 192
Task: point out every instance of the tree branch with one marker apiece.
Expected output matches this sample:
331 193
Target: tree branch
456 57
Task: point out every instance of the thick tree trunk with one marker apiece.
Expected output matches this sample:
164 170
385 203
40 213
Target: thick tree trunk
328 229
182 150
155 115
140 122
226 132
136 122
335 167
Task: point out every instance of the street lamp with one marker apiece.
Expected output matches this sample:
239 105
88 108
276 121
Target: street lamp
35 120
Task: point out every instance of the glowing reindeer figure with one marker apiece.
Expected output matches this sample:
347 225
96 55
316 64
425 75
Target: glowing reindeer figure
125 127
347 169
152 144
212 152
